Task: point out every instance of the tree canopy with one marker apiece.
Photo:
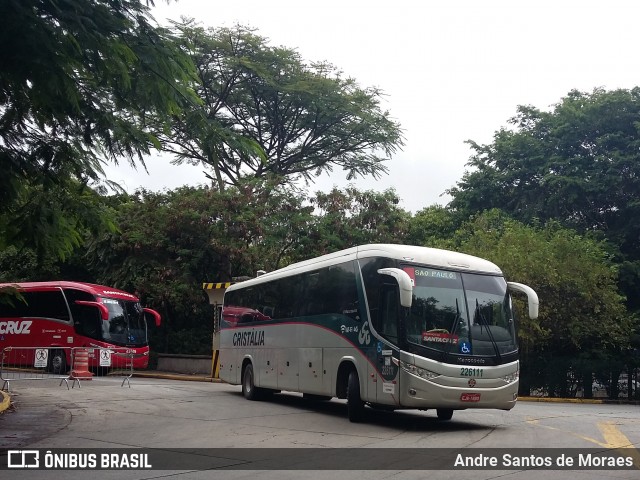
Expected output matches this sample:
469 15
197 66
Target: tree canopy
266 112
578 164
79 83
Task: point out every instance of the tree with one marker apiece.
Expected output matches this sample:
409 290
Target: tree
168 244
267 113
578 164
434 226
52 222
79 83
583 321
349 217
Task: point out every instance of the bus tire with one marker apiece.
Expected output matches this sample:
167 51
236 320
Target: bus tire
355 405
444 413
249 389
57 362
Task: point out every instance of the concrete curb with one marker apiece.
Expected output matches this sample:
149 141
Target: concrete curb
593 401
176 376
565 400
6 401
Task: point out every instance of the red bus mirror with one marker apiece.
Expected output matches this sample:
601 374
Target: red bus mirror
104 311
154 314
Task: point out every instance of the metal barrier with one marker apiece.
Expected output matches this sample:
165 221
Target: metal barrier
116 360
35 363
64 364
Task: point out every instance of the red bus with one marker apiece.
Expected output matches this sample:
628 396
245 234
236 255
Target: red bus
74 314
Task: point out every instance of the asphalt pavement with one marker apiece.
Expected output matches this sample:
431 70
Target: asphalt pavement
5 398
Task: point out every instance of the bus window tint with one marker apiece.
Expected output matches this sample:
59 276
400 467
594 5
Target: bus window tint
343 299
373 283
327 291
387 324
126 324
491 315
437 319
47 304
86 319
331 291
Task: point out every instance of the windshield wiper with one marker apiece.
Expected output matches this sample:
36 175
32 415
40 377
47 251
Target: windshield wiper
483 321
456 322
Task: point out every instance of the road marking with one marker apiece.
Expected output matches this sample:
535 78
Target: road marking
612 436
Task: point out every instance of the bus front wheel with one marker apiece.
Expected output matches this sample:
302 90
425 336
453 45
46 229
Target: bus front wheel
355 405
57 362
445 413
249 389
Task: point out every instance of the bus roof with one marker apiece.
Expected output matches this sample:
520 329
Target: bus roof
94 289
433 257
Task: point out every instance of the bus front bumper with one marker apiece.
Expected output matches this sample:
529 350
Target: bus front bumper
456 393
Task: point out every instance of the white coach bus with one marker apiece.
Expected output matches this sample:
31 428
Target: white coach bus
389 326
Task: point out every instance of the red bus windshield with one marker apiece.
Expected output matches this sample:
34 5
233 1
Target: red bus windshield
126 325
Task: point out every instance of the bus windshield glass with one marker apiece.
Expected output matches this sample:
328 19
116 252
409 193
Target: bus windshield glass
126 325
460 313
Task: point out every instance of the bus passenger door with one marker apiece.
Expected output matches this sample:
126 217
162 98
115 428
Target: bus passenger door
387 353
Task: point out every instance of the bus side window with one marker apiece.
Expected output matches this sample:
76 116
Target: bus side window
47 304
373 284
344 292
331 291
86 319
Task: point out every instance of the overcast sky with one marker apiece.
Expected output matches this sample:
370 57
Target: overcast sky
451 70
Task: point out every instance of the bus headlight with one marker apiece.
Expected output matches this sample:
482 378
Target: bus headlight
512 377
417 371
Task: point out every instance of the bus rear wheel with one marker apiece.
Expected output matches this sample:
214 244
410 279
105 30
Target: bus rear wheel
445 413
355 405
249 389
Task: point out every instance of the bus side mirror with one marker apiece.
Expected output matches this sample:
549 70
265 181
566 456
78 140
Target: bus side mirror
404 283
154 314
104 311
532 297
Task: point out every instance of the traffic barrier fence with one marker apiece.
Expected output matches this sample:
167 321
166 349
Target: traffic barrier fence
34 363
66 364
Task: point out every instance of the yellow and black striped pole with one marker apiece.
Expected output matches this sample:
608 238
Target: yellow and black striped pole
215 291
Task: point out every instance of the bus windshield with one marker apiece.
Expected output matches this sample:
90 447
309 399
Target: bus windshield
126 325
460 313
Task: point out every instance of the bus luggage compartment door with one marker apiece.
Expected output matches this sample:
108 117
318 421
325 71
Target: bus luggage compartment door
311 370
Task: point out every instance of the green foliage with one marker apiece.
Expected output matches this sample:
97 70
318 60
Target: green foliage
578 164
52 222
582 315
23 265
350 217
168 244
434 226
267 113
81 79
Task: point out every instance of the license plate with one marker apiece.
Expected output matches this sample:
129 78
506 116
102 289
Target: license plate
470 397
